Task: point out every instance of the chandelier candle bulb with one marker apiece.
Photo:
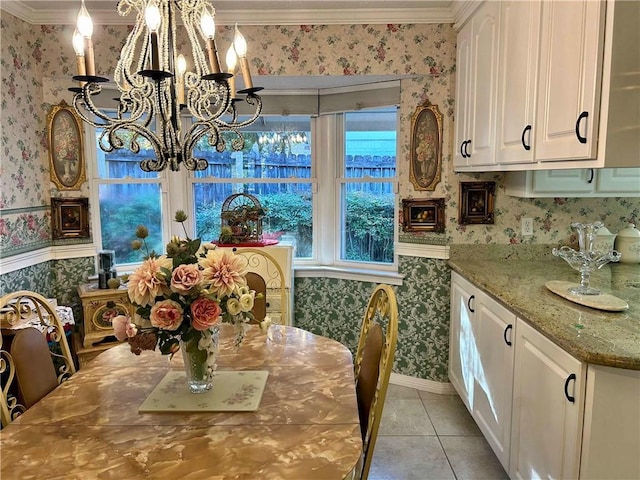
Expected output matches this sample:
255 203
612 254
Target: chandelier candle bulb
208 26
232 61
240 46
78 46
153 19
85 29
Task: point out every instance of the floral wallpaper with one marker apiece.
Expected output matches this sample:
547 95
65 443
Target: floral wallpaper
37 63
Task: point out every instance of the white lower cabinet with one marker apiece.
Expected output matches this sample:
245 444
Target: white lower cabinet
481 361
548 401
545 414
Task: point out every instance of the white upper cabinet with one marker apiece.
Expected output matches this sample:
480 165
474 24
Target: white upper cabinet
571 42
579 182
517 83
476 88
566 94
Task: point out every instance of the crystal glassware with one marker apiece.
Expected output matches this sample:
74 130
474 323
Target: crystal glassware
588 258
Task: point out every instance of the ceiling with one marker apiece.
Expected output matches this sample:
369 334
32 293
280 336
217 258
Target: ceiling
253 12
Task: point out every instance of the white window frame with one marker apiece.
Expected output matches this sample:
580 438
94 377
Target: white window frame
327 139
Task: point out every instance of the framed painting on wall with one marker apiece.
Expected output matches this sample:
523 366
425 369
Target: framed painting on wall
476 202
70 218
426 147
423 215
66 147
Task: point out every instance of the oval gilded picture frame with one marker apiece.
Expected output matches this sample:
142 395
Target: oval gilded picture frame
66 147
426 147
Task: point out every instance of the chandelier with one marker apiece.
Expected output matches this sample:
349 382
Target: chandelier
155 84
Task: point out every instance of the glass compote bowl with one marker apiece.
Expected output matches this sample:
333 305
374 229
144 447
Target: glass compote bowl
587 259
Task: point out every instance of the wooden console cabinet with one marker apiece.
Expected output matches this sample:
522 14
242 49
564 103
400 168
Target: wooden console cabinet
99 306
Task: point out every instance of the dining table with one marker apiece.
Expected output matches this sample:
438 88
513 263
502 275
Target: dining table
305 427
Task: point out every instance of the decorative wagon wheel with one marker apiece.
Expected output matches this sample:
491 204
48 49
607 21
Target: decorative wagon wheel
241 219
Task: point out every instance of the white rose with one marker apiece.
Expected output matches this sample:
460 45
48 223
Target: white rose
246 302
243 290
233 306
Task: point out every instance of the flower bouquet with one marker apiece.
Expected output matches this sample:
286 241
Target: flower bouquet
182 296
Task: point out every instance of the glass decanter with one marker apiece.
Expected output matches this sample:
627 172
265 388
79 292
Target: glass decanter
587 259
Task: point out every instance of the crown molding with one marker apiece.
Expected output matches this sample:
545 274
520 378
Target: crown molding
289 16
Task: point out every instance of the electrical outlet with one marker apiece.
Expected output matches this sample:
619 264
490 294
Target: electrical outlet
527 227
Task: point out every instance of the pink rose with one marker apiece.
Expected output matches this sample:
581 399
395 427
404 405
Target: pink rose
166 315
205 313
185 278
120 323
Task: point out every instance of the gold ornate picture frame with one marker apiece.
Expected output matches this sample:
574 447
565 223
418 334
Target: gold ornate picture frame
69 218
476 202
426 147
66 147
423 215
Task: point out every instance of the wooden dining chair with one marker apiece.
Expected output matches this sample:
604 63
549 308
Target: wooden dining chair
265 275
373 364
34 354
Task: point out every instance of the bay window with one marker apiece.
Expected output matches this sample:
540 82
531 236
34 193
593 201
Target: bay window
325 174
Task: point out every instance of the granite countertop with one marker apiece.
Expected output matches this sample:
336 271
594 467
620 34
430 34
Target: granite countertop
516 277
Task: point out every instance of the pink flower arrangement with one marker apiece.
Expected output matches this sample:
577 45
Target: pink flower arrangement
182 294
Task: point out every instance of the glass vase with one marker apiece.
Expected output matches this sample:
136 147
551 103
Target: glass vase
200 355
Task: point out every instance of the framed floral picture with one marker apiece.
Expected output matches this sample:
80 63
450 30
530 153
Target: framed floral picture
70 218
476 202
66 147
426 147
423 215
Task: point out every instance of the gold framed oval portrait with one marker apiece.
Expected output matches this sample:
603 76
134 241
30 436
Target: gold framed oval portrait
66 147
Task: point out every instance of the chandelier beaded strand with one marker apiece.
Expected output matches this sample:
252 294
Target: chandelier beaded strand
155 84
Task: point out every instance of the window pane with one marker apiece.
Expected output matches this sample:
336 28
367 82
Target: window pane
368 213
123 163
288 207
122 209
275 147
370 143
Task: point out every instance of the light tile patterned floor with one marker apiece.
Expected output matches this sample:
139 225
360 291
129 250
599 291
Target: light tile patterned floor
426 436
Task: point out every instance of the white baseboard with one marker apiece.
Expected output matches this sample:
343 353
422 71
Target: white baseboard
422 384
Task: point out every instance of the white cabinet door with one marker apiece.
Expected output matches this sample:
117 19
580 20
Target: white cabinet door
569 75
462 347
492 395
476 88
548 397
484 54
517 83
564 182
463 95
581 182
481 361
618 181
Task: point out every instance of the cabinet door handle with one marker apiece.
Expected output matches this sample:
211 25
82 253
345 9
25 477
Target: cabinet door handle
462 150
571 398
581 139
524 132
469 303
508 328
590 176
466 144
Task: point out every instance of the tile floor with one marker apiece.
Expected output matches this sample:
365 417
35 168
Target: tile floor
427 436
